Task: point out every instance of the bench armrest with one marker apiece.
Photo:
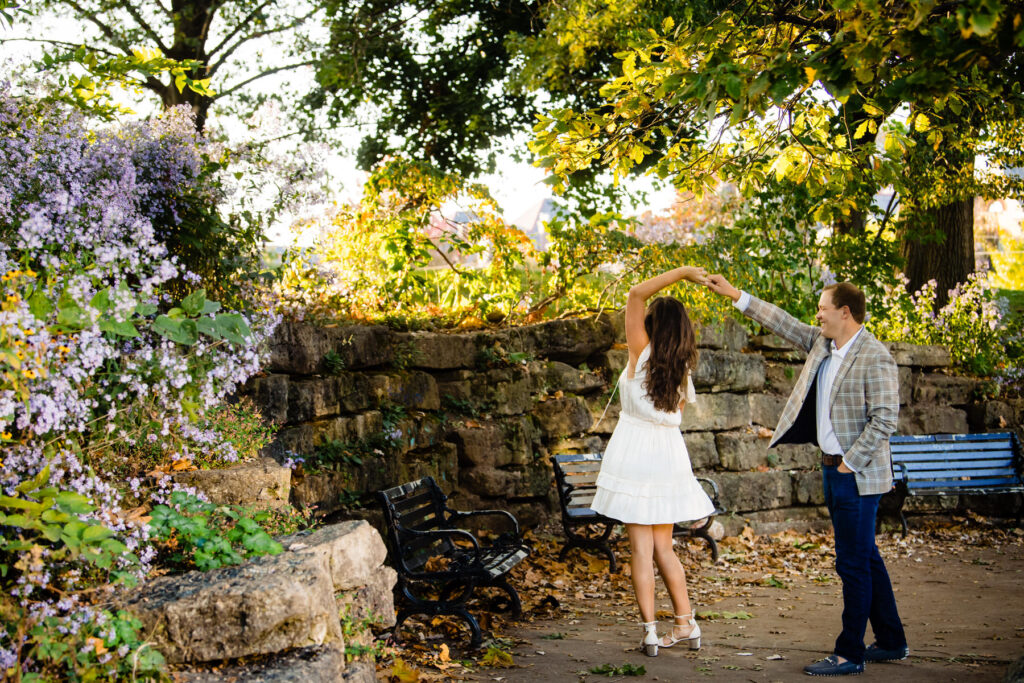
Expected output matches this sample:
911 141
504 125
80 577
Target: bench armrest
451 534
715 490
460 514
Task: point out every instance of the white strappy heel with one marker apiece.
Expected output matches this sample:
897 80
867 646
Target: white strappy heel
649 644
693 637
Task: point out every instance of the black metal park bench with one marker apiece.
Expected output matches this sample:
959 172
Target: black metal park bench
440 565
576 478
955 465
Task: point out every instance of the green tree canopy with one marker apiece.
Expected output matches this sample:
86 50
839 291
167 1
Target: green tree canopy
799 91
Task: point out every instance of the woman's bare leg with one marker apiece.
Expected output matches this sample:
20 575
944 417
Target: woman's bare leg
641 564
673 574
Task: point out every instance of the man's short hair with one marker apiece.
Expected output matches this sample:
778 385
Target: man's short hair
849 295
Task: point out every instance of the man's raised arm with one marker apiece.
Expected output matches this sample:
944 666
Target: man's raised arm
769 315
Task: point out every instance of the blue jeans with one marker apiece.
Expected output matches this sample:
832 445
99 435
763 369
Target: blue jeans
867 591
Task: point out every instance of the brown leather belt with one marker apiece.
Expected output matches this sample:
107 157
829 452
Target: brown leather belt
831 460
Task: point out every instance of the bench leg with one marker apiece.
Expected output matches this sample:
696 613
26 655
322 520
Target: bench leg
712 544
585 543
476 636
515 606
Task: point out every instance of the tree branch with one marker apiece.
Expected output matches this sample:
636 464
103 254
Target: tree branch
137 16
238 27
258 76
252 36
104 29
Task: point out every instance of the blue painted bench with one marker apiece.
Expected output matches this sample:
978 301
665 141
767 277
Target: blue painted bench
955 465
576 478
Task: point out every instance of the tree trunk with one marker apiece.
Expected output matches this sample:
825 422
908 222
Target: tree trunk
941 248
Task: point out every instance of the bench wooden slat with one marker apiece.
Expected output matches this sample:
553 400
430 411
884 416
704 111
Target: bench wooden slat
960 463
422 519
589 466
1005 464
423 498
589 478
953 483
932 438
933 448
961 475
577 457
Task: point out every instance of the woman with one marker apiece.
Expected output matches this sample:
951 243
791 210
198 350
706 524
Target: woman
646 480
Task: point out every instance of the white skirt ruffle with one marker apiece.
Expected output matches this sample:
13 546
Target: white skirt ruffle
646 477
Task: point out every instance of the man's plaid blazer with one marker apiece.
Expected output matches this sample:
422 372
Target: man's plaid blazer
864 403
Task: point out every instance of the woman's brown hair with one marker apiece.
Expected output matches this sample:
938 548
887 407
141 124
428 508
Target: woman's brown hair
673 351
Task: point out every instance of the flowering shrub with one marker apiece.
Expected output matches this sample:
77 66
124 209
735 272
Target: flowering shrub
972 325
95 360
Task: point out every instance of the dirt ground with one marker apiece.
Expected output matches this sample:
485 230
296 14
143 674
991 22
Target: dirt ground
770 606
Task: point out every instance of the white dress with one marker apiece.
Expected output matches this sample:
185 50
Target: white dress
645 476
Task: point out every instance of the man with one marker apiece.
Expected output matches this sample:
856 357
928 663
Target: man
846 401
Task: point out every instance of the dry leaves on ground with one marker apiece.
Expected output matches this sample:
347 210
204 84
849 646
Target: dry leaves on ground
582 585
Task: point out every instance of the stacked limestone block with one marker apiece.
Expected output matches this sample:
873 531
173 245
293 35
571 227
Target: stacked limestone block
482 411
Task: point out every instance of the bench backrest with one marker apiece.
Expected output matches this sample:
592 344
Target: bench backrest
956 461
420 506
576 476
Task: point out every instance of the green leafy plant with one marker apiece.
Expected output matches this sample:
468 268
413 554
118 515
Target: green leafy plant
623 670
63 521
334 362
104 652
195 533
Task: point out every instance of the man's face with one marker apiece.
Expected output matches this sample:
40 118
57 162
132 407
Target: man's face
831 319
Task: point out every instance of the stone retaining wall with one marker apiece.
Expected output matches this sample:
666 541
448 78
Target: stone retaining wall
482 411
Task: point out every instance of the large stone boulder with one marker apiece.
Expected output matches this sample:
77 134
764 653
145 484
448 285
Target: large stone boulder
299 348
774 347
438 351
565 416
495 443
729 371
270 394
520 482
412 389
919 356
780 378
728 334
314 664
348 428
263 607
549 376
807 488
934 387
716 412
746 491
789 519
312 399
352 551
932 419
702 450
766 409
571 340
741 450
259 483
996 416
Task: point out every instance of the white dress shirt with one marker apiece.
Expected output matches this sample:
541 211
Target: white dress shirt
827 440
